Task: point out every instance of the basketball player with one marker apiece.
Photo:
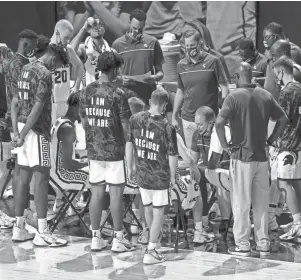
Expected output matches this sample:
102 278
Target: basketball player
278 49
62 35
154 142
283 47
5 146
106 113
289 145
31 121
93 46
66 171
13 65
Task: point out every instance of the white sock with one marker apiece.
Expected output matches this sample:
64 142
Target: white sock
96 233
151 246
32 206
198 226
119 234
20 222
42 225
297 217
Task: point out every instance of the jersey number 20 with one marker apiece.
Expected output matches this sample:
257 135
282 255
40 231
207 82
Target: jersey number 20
60 77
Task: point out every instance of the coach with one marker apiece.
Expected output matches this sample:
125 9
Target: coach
248 110
199 76
141 54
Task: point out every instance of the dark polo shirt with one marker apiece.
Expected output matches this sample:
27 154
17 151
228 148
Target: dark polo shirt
248 110
199 82
259 66
140 57
222 61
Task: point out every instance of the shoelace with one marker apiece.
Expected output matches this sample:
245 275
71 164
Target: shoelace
157 255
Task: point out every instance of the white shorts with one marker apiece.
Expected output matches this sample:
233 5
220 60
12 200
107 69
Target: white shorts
157 198
59 109
35 150
289 165
107 172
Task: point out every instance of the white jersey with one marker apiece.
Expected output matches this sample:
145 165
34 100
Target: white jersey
59 175
61 84
92 73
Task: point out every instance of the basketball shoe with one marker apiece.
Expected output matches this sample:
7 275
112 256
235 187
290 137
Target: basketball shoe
294 234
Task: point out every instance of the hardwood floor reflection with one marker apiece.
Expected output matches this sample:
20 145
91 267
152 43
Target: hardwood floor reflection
24 261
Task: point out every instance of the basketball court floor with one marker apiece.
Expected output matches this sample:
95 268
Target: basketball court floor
76 261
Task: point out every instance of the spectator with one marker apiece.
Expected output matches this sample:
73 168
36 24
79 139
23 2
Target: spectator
199 76
248 109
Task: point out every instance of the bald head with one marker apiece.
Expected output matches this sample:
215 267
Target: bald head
63 32
63 24
245 73
280 48
204 112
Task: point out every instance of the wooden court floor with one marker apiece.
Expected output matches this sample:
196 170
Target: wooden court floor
75 261
209 261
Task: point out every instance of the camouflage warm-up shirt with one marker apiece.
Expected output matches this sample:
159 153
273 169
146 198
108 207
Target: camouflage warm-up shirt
35 85
290 101
104 107
15 66
154 140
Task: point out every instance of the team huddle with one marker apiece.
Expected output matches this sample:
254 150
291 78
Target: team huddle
133 130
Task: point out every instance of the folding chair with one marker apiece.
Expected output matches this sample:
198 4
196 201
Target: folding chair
70 194
179 218
129 194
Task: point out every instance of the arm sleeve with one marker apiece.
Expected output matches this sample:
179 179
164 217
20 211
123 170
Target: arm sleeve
225 68
219 72
227 108
158 57
171 136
